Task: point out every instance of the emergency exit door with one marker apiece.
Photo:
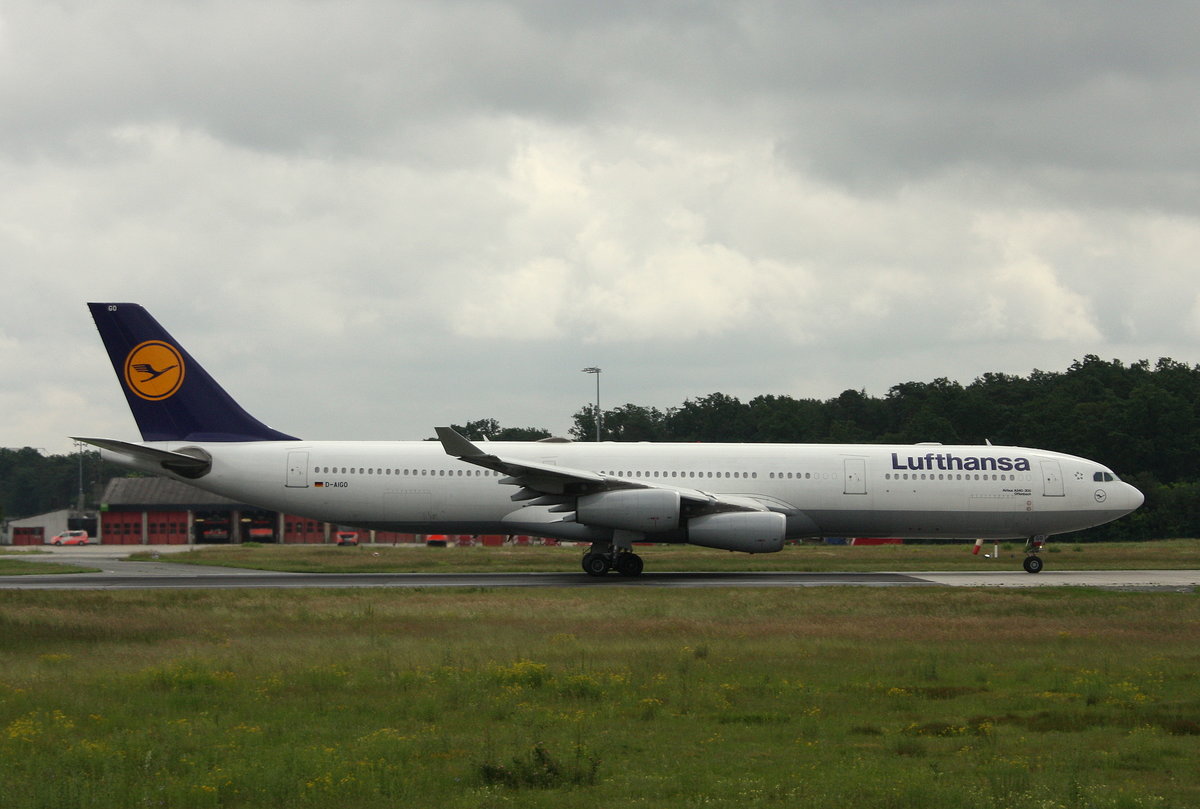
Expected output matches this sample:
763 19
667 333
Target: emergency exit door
297 470
856 476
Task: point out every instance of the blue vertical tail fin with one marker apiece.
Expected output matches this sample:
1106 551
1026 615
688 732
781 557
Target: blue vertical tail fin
172 397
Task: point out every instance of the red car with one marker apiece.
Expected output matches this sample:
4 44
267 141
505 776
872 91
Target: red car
346 537
69 538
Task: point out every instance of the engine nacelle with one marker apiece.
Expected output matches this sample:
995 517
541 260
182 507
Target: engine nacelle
746 531
648 511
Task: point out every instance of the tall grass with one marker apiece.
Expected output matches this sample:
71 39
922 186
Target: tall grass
838 697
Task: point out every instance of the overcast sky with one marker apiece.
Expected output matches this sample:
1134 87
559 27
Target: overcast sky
367 218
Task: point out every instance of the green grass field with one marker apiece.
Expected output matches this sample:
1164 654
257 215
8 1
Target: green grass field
600 697
32 562
1176 553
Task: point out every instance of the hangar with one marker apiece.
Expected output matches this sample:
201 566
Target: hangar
157 511
41 528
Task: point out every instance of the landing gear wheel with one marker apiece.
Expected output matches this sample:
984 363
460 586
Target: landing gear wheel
596 564
1033 564
629 564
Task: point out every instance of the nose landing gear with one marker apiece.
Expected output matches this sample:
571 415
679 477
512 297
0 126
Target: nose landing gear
1033 562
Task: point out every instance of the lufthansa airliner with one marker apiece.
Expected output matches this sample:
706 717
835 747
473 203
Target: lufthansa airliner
737 497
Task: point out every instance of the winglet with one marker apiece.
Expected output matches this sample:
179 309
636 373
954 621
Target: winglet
456 445
462 448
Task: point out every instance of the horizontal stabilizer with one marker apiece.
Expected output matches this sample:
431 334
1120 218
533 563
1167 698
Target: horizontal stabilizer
185 465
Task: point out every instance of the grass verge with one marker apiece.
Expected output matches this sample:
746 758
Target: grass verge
21 563
832 697
1161 554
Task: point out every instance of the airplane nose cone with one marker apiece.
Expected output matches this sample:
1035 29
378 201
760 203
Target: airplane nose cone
1134 497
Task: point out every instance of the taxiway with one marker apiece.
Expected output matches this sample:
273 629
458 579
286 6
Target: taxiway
116 574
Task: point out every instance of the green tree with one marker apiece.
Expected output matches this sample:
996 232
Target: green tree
490 430
784 420
33 483
855 417
629 422
715 417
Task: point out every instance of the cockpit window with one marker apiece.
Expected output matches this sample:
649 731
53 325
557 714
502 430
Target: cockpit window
1104 477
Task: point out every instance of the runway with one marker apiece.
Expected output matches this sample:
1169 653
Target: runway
116 574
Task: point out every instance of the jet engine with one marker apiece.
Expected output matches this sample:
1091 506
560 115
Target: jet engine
746 531
647 511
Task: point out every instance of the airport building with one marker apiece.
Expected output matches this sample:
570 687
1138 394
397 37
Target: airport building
158 511
43 527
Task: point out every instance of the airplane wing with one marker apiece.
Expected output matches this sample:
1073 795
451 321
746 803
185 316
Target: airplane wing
552 485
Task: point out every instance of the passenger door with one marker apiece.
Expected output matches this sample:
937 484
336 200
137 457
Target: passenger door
1052 481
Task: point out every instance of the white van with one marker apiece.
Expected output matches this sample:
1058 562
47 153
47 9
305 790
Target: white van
69 538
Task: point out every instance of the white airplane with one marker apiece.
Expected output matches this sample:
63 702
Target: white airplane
737 497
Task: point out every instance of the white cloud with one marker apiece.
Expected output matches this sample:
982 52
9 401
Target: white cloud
1028 299
527 304
1192 325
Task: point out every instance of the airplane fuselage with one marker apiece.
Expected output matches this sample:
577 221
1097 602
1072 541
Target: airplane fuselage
910 491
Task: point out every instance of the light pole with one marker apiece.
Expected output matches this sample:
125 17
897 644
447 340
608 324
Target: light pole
80 445
594 370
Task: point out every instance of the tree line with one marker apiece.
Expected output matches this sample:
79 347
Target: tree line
33 483
1142 420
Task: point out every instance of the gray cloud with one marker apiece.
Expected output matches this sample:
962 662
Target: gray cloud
369 218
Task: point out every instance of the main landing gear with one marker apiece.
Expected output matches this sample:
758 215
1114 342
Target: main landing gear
626 563
1033 562
617 555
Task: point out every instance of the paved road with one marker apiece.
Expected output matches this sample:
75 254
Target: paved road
117 574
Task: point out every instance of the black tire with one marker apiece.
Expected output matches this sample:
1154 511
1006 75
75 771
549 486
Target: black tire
596 564
1033 564
629 564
